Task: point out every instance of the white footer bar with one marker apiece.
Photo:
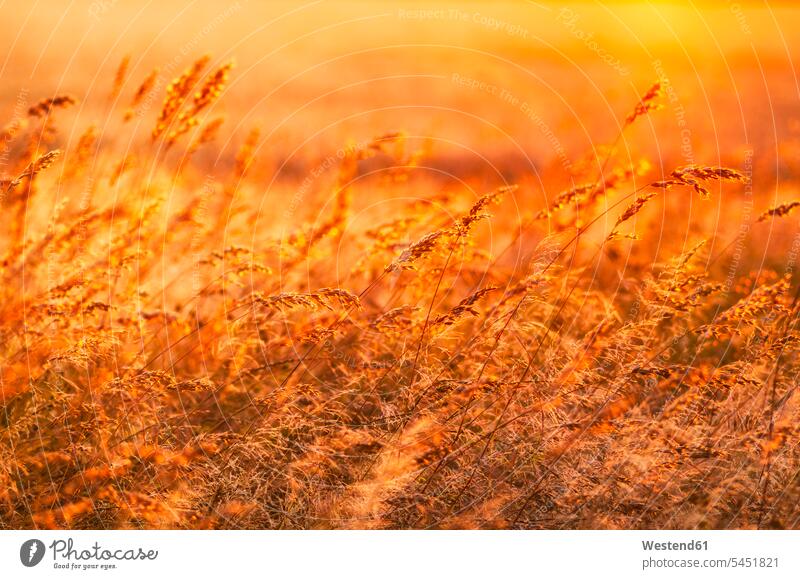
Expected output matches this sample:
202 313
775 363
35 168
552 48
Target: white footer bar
399 554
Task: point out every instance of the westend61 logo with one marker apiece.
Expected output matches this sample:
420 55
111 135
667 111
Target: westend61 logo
67 556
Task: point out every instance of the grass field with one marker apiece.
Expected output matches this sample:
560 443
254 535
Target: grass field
399 265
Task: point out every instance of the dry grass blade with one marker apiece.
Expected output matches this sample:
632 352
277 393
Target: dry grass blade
633 209
324 298
647 104
34 168
779 210
45 106
464 307
178 92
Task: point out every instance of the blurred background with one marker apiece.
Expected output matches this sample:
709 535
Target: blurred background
525 92
502 75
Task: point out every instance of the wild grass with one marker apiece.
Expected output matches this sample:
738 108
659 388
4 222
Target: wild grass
173 356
